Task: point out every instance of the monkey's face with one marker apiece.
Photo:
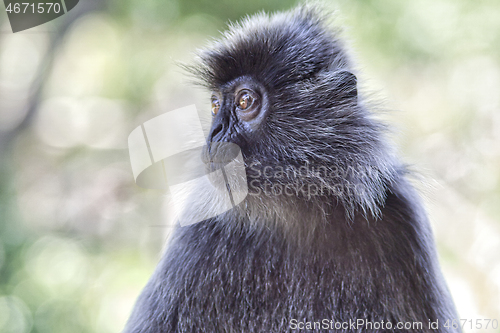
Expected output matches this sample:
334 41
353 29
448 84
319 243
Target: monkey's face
260 75
281 90
283 93
239 108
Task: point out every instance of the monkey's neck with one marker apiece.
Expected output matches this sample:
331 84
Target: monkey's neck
316 186
298 218
323 221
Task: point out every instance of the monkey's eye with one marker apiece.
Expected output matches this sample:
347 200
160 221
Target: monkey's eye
215 105
245 100
247 104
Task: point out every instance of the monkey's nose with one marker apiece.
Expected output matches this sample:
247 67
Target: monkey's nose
217 129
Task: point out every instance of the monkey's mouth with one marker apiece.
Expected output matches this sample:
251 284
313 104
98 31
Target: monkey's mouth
225 169
217 155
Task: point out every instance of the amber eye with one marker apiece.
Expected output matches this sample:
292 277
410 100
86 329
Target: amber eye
245 100
215 105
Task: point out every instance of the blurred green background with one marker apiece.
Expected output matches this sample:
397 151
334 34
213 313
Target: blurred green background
78 239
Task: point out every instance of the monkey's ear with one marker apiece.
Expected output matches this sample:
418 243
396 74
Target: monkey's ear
346 84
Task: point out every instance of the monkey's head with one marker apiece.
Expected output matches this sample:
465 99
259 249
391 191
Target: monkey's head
283 91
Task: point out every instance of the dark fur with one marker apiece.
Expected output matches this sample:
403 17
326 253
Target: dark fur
353 254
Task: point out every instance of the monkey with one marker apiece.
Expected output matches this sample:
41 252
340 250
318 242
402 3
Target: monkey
332 236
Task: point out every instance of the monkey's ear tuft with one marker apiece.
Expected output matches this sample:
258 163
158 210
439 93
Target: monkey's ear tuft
346 84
